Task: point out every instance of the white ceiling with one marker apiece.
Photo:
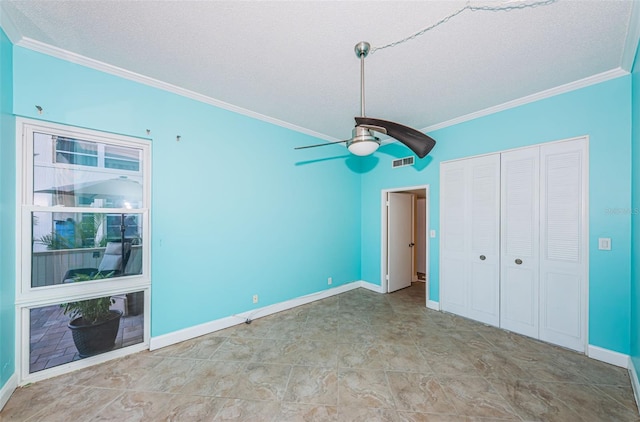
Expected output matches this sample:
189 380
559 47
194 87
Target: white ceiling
294 61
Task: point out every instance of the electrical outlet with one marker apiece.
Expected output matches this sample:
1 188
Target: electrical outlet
255 298
330 280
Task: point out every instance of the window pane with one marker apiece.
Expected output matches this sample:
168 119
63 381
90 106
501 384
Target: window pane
73 151
122 158
75 173
53 343
73 247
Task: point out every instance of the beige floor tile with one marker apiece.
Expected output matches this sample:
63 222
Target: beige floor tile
32 399
237 349
212 377
533 401
297 412
591 404
183 408
430 417
298 352
248 411
168 376
134 406
313 385
119 374
363 388
198 348
82 403
360 356
259 381
366 414
474 396
357 356
414 392
621 394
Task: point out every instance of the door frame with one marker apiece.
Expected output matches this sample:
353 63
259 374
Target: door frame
384 215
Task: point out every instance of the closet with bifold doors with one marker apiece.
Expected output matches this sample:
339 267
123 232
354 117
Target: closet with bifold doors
513 244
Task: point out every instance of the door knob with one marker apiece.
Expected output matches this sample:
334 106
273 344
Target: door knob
411 245
518 261
482 257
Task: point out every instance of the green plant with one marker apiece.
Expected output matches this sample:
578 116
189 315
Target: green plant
54 241
92 311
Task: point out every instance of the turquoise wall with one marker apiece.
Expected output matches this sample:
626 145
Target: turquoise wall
235 210
603 112
7 213
635 219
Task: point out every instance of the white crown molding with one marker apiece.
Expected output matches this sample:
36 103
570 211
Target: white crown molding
8 26
633 37
571 86
60 53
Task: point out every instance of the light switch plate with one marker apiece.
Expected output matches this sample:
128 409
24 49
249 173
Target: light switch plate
604 243
432 233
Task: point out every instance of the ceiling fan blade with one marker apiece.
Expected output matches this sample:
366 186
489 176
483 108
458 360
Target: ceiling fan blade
320 145
417 141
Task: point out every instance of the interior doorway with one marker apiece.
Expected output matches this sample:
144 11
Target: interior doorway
399 251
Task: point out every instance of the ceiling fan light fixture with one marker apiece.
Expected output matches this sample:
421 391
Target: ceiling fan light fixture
362 142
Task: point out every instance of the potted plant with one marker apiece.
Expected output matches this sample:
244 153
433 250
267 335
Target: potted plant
93 325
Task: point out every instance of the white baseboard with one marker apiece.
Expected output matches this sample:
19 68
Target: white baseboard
370 286
608 356
431 304
226 322
635 384
7 390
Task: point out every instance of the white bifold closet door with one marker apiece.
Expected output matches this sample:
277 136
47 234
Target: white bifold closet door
543 242
563 243
514 246
470 243
519 245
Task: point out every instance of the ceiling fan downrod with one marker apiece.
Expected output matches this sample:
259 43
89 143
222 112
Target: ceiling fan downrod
362 50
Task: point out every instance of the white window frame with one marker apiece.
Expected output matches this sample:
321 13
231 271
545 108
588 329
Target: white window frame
28 297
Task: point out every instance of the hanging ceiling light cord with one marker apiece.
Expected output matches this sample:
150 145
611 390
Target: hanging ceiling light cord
468 6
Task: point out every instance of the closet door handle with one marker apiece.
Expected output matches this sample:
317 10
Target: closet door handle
482 257
518 261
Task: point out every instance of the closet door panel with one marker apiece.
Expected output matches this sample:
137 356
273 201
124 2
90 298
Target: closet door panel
484 253
563 243
519 294
519 301
453 239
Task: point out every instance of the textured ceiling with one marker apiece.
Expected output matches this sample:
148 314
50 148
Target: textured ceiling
294 61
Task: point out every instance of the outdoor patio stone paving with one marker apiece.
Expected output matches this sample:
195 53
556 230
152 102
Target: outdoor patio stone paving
51 341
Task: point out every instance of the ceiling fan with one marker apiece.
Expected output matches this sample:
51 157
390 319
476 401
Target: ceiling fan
362 141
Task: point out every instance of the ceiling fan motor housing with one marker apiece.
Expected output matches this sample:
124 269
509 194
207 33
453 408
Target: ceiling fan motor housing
362 141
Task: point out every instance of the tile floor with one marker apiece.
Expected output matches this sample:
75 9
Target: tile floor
358 356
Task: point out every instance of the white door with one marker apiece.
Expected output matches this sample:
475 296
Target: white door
563 243
400 241
469 248
520 241
483 256
453 239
